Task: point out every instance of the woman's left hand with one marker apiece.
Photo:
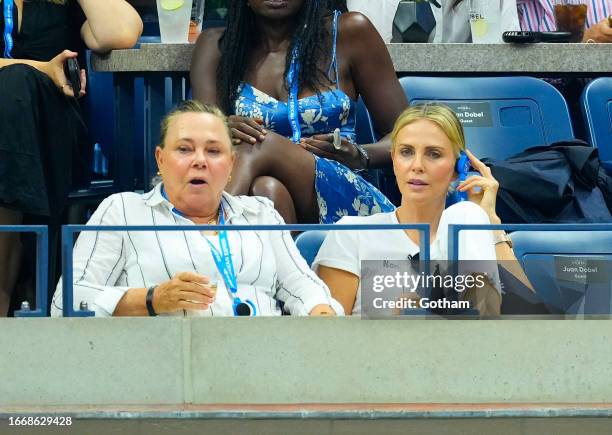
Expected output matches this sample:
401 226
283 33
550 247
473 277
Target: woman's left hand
322 310
55 70
486 196
322 145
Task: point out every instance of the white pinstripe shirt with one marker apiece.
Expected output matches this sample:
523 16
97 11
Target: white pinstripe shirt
268 265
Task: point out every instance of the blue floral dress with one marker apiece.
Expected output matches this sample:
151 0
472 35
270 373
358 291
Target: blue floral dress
340 191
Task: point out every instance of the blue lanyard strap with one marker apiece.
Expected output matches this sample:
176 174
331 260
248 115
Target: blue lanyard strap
333 66
8 28
292 80
223 259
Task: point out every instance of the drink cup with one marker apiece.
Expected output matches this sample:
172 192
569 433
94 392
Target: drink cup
174 17
197 16
485 18
570 16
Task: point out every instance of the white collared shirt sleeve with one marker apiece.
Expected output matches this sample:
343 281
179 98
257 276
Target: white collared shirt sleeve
297 286
99 258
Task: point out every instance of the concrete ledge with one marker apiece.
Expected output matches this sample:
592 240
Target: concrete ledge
178 362
323 411
503 59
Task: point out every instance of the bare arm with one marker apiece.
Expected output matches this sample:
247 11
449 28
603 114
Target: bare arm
133 303
203 70
599 32
486 198
342 285
375 80
111 24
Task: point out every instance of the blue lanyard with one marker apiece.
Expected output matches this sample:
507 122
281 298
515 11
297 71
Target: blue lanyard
8 28
292 81
223 259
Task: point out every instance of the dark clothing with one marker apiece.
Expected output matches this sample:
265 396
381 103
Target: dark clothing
46 29
42 134
563 182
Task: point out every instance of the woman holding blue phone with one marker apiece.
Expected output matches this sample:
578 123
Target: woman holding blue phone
428 153
42 134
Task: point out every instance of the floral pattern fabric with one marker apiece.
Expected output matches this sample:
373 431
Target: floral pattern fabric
340 191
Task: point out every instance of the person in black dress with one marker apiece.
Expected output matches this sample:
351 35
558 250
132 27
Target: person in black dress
42 134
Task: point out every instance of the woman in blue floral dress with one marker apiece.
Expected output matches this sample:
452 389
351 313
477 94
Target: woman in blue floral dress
290 72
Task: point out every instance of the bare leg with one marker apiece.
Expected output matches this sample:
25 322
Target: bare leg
290 164
10 257
278 193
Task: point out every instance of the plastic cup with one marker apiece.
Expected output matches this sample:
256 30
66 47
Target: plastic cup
570 16
174 17
485 17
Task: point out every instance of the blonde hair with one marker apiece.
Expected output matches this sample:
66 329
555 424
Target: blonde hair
191 106
440 114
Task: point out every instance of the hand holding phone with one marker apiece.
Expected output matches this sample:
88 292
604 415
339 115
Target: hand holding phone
72 71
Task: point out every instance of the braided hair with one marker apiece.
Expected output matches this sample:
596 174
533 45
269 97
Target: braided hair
237 41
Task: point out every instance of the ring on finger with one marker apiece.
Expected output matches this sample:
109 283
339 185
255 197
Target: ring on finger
337 142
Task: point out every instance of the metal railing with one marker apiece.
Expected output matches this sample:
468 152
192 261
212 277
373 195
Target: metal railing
454 229
68 232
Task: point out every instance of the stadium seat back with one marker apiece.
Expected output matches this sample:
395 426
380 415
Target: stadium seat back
364 128
557 264
502 116
596 104
309 242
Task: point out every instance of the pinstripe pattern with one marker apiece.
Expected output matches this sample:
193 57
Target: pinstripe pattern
539 15
270 265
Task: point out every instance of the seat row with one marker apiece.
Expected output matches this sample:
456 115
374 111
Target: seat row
502 116
569 266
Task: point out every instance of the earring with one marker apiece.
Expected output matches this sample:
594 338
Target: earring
230 178
158 172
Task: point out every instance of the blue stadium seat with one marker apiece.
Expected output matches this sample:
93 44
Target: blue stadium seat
544 254
596 104
309 243
502 116
363 125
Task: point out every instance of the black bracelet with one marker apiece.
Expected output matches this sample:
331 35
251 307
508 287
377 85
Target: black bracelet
150 308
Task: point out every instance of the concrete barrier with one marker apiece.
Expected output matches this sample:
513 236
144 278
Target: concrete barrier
183 361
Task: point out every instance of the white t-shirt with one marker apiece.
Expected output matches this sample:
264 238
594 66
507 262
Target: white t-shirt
452 25
345 250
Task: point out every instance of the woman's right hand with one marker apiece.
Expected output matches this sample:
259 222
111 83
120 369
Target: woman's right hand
185 291
55 70
246 130
481 189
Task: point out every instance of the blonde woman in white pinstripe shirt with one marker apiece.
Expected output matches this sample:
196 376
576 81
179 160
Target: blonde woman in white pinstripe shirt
171 273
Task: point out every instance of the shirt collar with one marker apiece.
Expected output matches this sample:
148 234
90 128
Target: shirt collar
232 205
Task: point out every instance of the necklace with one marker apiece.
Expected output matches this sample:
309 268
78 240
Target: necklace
215 220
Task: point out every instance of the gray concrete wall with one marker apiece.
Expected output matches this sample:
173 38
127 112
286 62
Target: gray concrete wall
580 59
175 361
